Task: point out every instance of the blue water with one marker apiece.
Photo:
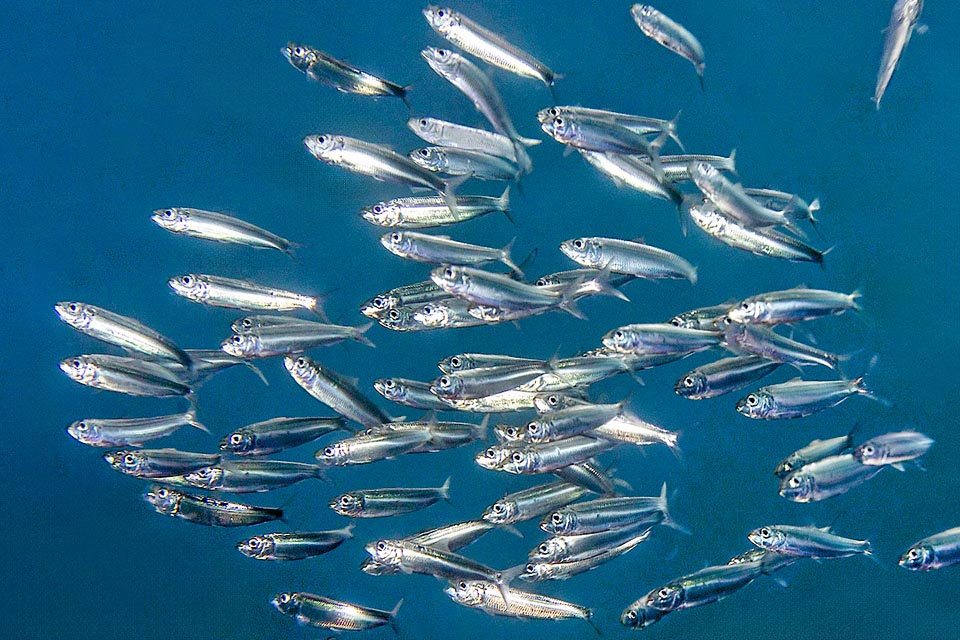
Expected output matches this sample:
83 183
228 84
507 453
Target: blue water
111 111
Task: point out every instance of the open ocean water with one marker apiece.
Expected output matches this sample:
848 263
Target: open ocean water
111 110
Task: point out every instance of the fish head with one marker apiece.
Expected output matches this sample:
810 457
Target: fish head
76 314
560 522
286 603
397 242
205 478
640 614
797 486
910 11
537 571
85 431
334 454
466 592
548 114
509 433
431 158
550 550
82 369
172 219
583 251
788 465
919 557
522 461
451 278
243 325
693 385
190 286
325 147
301 367
432 314
753 555
129 462
443 61
770 538
384 214
390 388
257 546
164 500
447 386
386 552
758 404
426 128
242 345
562 128
538 430
668 597
348 504
872 453
240 441
441 19
548 281
748 311
373 568
645 16
300 56
375 306
621 340
459 362
492 457
547 402
501 512
397 319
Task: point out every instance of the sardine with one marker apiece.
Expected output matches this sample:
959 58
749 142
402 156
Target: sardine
209 225
483 595
533 502
442 250
730 198
458 136
935 552
637 124
231 293
158 463
893 448
632 258
583 546
826 478
792 305
816 450
283 339
340 75
903 21
633 172
335 391
608 513
410 393
458 162
125 432
421 212
364 449
800 398
416 293
723 376
252 475
766 343
703 587
662 338
379 503
131 376
319 611
541 571
670 34
293 546
277 434
481 383
543 458
207 511
807 542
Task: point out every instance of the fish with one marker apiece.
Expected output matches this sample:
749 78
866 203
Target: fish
283 339
541 571
421 247
443 435
131 376
380 163
792 205
769 561
458 136
608 513
125 432
342 76
677 168
632 171
639 614
793 305
632 258
217 291
339 393
708 585
252 475
206 363
207 511
407 295
410 393
934 552
723 376
730 199
277 434
585 545
800 398
533 502
816 450
602 135
807 542
423 212
293 546
451 537
705 318
484 595
219 227
468 361
903 22
250 324
590 477
893 448
379 503
449 313
764 342
572 421
826 478
550 456
662 338
127 333
481 383
486 45
158 463
365 448
319 611
637 124
563 278
670 34
476 164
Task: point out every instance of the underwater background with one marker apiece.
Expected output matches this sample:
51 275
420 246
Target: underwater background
111 110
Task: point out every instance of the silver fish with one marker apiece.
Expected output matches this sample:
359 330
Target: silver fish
633 172
608 513
481 383
541 571
486 45
293 546
677 168
637 124
504 402
249 324
410 393
365 448
706 318
792 305
335 391
533 502
792 205
283 339
231 293
379 503
703 587
443 435
799 398
543 458
816 450
826 478
476 164
935 552
659 338
252 475
127 333
277 434
124 432
583 546
422 212
639 614
903 21
723 376
764 342
451 537
633 258
602 135
319 611
442 250
483 595
158 463
449 313
418 292
340 75
458 136
467 361
210 225
207 511
893 448
204 364
669 34
590 477
131 376
730 198
807 542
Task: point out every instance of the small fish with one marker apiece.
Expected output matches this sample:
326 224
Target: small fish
677 168
639 614
584 545
422 212
669 34
405 296
449 313
252 475
451 537
410 393
231 293
533 502
250 324
608 513
660 338
319 611
572 421
283 339
548 457
903 21
562 279
800 398
127 333
379 503
632 171
792 305
458 136
807 542
467 361
293 546
637 124
207 511
708 585
481 383
826 478
209 225
158 463
601 135
730 198
339 393
792 205
125 432
541 571
442 435
206 363
893 448
632 258
442 250
764 342
769 561
277 434
816 450
366 448
486 45
343 77
705 318
723 376
936 552
483 595
590 477
131 376
456 162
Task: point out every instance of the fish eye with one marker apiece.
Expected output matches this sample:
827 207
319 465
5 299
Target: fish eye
688 381
868 449
444 381
345 500
394 314
517 457
73 307
512 432
284 598
553 400
631 616
328 451
301 362
424 152
298 51
794 481
187 280
76 363
530 568
543 548
752 400
491 452
440 14
578 243
745 306
246 323
395 237
664 592
238 340
913 554
558 121
163 493
389 383
553 111
169 213
455 362
676 322
423 122
462 584
377 208
129 459
448 272
727 321
427 309
236 438
556 518
81 426
381 546
498 508
321 139
618 335
765 532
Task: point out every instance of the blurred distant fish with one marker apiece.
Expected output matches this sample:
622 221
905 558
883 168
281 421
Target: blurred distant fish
338 74
293 546
421 212
123 432
218 291
207 511
893 448
209 225
936 552
486 45
277 434
903 21
670 34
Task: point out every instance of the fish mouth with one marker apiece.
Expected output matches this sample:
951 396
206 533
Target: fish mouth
450 590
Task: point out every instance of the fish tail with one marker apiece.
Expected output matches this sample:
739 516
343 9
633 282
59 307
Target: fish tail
445 490
509 528
602 281
503 203
392 615
257 371
700 69
667 520
359 335
672 130
347 531
588 617
732 162
290 248
320 473
193 422
507 260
